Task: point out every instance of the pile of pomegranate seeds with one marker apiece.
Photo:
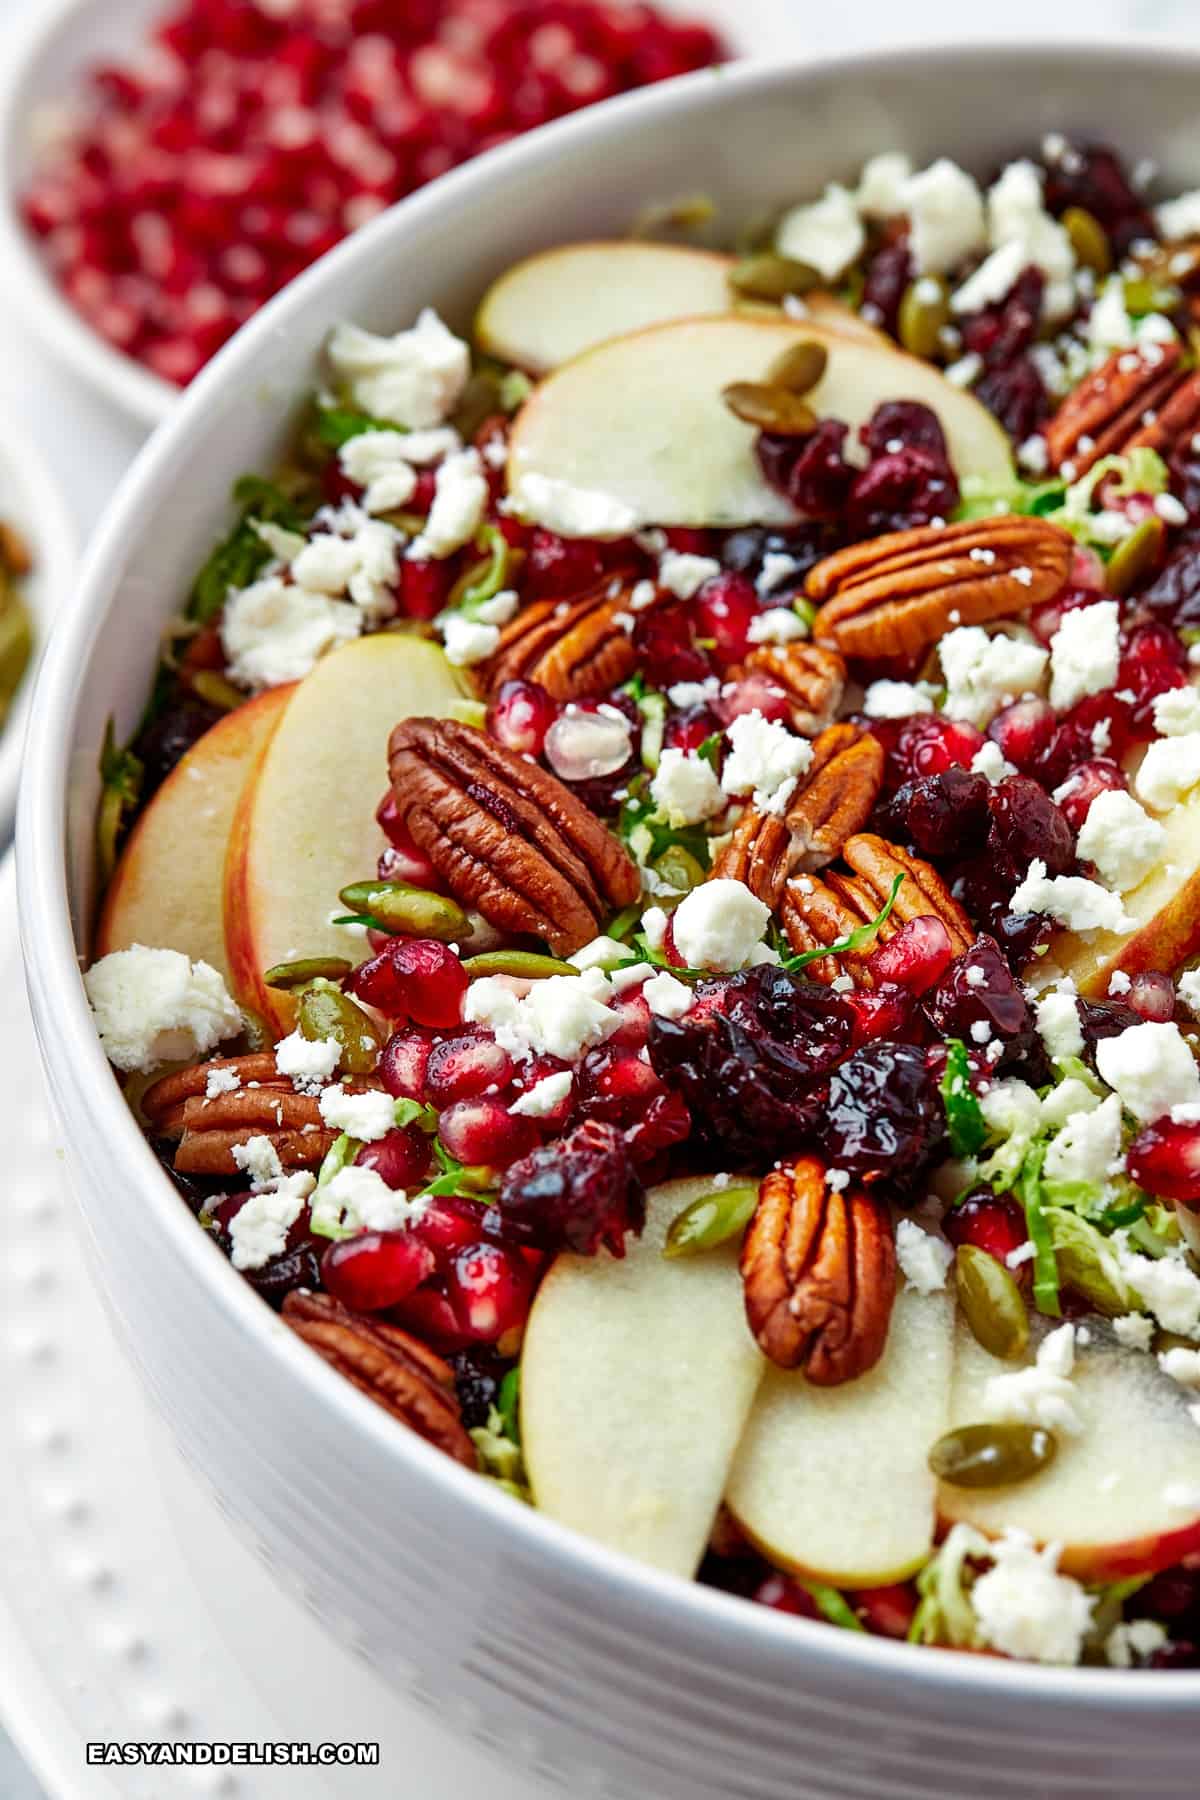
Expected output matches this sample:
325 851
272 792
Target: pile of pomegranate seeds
191 183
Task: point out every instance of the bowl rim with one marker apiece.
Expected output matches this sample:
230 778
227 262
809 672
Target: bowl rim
96 1106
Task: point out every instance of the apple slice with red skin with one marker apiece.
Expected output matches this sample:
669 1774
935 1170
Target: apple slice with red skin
1104 1497
167 889
305 825
641 419
637 1378
554 305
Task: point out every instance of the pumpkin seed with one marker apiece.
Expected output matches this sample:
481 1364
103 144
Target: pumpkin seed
800 368
770 408
305 969
711 1220
924 315
991 1302
679 869
1134 558
324 1011
1089 240
769 276
213 688
412 910
991 1456
527 965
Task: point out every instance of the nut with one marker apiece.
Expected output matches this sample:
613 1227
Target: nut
817 912
389 1366
575 649
1111 412
838 796
758 855
507 837
813 679
896 595
819 1274
265 1105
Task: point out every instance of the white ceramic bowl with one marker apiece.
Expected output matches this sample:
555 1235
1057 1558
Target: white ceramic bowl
58 41
30 500
544 1645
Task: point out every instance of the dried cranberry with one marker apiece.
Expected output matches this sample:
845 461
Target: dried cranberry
1003 332
1087 780
169 736
478 1375
888 1611
377 1269
1021 936
401 1158
665 1123
1093 178
299 1266
746 551
883 1113
898 491
520 716
1172 1596
1017 395
905 424
666 650
1174 596
1103 1019
1028 824
978 990
944 814
1165 1160
1182 1654
577 1195
888 274
811 471
987 1221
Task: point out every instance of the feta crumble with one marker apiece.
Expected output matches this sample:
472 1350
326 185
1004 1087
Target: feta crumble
1070 900
570 511
358 1199
684 574
765 758
1121 838
543 1096
308 1062
1135 1331
924 1259
259 1229
667 997
1177 712
459 502
273 632
1058 1025
776 625
368 1116
719 925
895 700
1181 1365
946 217
826 233
1087 1149
1043 1393
467 641
1151 1067
1084 653
1132 1643
685 788
221 1081
1188 990
985 673
991 763
1025 1608
258 1159
415 378
156 1006
562 1016
1169 770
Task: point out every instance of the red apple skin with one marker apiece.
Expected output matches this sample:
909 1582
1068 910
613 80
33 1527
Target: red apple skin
166 891
1097 1563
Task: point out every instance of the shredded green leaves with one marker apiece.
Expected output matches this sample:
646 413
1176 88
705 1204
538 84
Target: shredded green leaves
1041 1236
239 558
334 426
121 776
964 1115
832 1605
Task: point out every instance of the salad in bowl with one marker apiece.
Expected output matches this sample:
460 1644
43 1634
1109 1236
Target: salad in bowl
685 990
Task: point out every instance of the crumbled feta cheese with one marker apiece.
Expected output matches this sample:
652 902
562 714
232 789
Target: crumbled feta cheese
368 1116
259 1229
777 568
654 926
1070 900
990 762
358 1199
1121 838
1019 224
895 700
414 378
459 502
1026 1609
562 1016
1119 983
685 694
1151 1067
683 574
1177 712
1181 1365
1169 769
1084 653
273 633
601 953
1034 454
1088 1147
1188 990
1111 328
1165 1285
1041 1394
827 234
499 609
1179 218
685 788
1134 1330
258 1159
1068 1099
221 1081
946 217
776 625
667 997
360 559
992 281
765 758
376 462
880 192
1012 1109
308 1062
544 1096
985 673
1059 1027
1132 1643
156 1006
571 511
924 1259
467 641
719 925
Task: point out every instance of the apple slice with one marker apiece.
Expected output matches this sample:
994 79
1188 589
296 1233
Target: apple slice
641 419
166 891
552 306
637 1378
834 1482
1104 1497
305 826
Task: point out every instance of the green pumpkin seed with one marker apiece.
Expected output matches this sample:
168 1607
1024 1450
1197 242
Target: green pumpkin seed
991 1302
770 408
297 974
213 688
679 869
324 1011
711 1220
769 276
479 400
527 965
800 368
412 910
1089 240
992 1456
924 315
1133 559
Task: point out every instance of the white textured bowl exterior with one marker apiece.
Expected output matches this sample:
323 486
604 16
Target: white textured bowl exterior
551 1649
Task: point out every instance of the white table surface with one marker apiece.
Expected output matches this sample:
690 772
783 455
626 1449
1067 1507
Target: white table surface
91 447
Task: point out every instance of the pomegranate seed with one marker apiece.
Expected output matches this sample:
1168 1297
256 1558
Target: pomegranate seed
490 1289
634 1029
535 1070
1074 798
414 978
686 731
664 1123
1024 732
784 1595
754 693
402 1158
991 1222
887 1012
1044 620
423 588
1152 996
403 1062
725 607
520 716
587 742
428 1314
376 1269
483 1133
918 955
405 862
448 1225
887 1611
929 746
461 1067
1165 1160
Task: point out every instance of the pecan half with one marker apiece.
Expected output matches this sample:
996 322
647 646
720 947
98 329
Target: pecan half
758 855
265 1105
574 648
1110 411
819 911
389 1366
506 836
819 1274
894 596
812 677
